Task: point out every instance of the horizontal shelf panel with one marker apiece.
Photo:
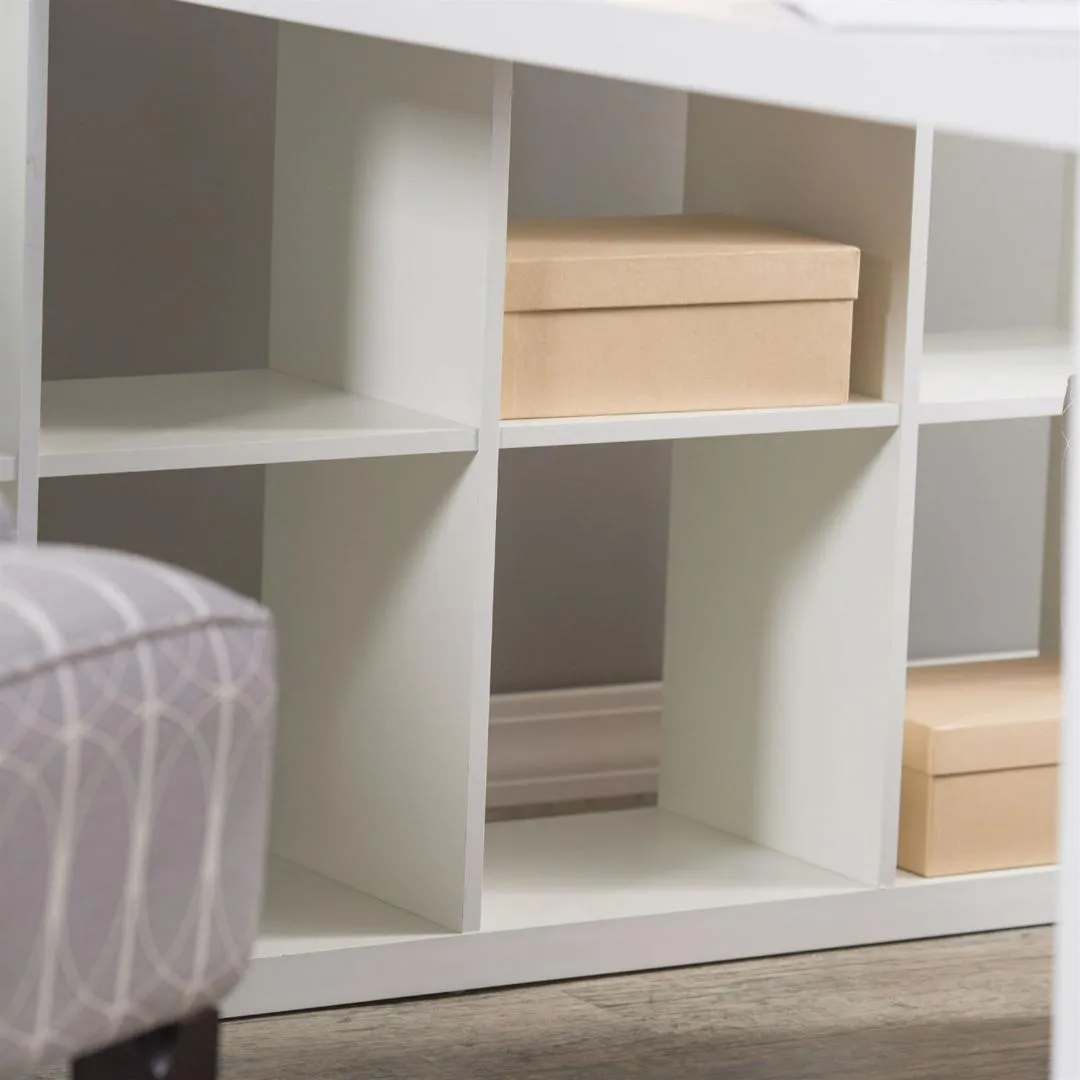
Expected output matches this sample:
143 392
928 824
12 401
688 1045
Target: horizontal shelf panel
7 468
324 945
628 863
981 84
152 422
993 376
645 427
305 913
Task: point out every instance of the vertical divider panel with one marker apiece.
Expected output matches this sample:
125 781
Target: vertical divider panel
790 556
391 174
1065 1053
1069 320
1050 610
24 48
487 469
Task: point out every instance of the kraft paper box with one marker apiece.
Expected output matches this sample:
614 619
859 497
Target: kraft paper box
979 782
673 313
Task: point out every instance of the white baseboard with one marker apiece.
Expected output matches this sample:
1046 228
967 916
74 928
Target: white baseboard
592 742
566 745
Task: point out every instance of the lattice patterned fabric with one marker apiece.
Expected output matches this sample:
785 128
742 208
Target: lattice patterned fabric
137 707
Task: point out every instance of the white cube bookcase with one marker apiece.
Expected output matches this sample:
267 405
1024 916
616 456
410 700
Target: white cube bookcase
377 421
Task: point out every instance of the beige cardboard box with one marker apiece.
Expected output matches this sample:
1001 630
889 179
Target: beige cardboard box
674 313
979 786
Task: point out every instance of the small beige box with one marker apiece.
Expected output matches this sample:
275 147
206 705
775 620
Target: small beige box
979 784
671 314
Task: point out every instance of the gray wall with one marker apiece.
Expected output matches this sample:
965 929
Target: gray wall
157 250
996 243
158 241
580 567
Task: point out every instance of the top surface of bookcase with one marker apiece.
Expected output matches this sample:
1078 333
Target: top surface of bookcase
1009 86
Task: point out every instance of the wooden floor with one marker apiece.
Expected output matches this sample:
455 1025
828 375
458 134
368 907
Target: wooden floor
973 1008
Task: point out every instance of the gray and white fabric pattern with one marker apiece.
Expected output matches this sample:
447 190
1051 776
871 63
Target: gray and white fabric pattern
137 707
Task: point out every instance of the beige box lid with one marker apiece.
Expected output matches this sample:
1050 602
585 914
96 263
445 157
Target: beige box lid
672 260
980 717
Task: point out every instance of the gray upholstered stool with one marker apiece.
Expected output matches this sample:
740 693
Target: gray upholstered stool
136 720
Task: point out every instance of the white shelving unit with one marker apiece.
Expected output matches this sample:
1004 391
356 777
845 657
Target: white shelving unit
377 421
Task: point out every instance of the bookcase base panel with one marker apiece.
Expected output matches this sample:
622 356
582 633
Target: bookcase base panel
335 962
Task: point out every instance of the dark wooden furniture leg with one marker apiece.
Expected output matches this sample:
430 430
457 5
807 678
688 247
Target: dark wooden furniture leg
185 1051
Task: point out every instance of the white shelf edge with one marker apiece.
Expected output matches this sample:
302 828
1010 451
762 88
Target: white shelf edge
998 375
269 453
221 419
974 411
912 908
646 427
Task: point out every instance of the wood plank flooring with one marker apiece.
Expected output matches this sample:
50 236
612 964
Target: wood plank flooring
972 1008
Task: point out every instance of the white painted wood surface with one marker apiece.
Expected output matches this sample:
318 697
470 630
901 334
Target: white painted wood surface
305 912
368 565
858 413
1068 317
562 870
1066 1030
1066 1013
334 958
217 419
381 183
390 223
997 375
781 643
790 558
1023 91
1007 16
24 30
14 56
622 864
